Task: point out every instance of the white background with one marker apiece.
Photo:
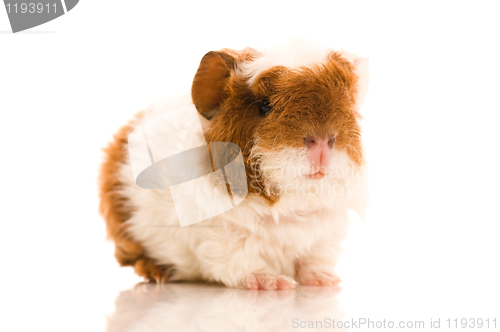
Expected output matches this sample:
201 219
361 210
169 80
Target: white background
429 246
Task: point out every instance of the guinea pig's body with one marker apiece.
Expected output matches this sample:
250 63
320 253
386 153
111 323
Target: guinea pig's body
294 114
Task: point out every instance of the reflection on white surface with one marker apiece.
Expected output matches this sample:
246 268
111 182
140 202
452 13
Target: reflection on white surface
197 307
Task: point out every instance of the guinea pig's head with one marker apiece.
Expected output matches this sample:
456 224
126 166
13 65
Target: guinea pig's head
294 113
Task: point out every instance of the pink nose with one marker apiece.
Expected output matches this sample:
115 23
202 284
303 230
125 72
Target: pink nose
319 151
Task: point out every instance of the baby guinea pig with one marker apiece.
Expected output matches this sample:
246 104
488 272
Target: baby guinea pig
294 113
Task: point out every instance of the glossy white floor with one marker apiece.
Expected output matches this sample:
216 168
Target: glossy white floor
427 251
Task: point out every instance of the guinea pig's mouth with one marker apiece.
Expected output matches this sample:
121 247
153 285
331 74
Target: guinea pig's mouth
316 176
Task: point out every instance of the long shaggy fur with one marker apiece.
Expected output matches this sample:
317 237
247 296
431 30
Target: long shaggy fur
290 227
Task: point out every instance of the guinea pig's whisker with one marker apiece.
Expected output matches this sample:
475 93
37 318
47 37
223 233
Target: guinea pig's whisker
275 138
353 148
251 104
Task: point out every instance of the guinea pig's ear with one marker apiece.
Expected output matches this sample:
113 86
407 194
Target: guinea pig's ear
361 68
207 90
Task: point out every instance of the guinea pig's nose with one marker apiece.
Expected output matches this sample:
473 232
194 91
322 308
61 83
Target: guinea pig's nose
319 142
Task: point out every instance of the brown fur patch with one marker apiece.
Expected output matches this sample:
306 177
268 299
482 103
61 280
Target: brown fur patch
318 100
149 269
116 210
311 101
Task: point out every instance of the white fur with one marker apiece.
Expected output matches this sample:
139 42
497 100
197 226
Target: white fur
298 236
293 54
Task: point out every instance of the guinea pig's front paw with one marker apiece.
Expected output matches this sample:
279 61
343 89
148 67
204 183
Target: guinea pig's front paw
318 278
268 281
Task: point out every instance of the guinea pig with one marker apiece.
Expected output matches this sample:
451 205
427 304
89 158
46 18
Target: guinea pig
294 111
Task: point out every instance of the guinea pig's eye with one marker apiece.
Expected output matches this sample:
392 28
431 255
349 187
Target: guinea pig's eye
264 107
